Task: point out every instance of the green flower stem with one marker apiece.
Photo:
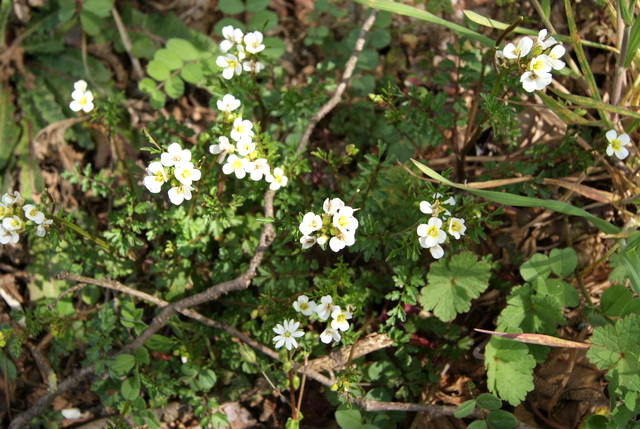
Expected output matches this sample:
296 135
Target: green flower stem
84 234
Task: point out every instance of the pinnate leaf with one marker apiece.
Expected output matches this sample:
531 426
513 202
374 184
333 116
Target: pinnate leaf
509 369
617 348
451 285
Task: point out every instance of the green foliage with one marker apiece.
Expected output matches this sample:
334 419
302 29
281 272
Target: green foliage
452 284
509 369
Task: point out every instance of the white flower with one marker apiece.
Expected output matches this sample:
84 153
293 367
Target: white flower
304 306
232 37
523 48
338 242
235 165
186 173
456 227
544 44
310 222
5 210
344 220
617 144
326 307
32 213
241 129
307 242
223 148
260 169
430 233
71 413
554 57
252 66
538 74
7 236
287 334
436 208
245 146
175 155
156 177
178 194
340 319
322 240
82 99
13 223
436 251
253 42
330 334
230 64
228 104
277 179
332 206
42 228
12 198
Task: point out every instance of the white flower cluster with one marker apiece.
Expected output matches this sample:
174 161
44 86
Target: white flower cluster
430 234
325 310
245 157
175 166
82 99
617 144
336 222
545 56
16 215
247 46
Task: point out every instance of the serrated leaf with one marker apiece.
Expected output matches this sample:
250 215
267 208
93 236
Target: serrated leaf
501 419
509 369
183 48
158 70
530 313
465 409
563 261
614 299
617 348
192 73
488 401
536 266
451 285
174 87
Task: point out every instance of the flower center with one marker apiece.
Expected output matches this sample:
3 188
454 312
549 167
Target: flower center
616 144
237 164
82 101
432 231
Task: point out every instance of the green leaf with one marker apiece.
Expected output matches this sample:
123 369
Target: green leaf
157 100
130 388
292 424
501 419
142 356
158 70
631 261
91 23
207 379
159 343
380 38
633 44
7 368
257 5
478 424
121 365
101 8
525 311
488 401
520 201
465 409
617 349
231 7
174 87
406 10
451 285
147 85
168 58
348 419
567 116
192 73
183 49
563 261
614 299
537 266
8 127
509 369
632 307
263 20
